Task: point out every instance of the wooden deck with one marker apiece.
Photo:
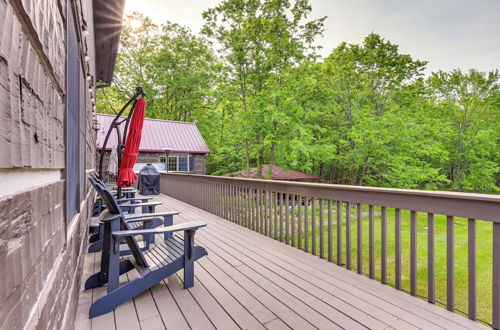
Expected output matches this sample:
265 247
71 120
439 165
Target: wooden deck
249 281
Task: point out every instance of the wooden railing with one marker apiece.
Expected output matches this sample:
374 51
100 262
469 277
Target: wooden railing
321 218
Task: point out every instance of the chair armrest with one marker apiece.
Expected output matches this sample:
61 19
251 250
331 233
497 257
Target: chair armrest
142 200
141 204
127 189
143 216
191 225
108 217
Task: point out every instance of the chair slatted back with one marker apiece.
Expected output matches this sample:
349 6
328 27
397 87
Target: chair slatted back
113 208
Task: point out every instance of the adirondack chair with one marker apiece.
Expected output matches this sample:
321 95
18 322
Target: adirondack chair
129 196
147 220
164 259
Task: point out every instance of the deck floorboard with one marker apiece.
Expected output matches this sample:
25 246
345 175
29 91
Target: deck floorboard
250 281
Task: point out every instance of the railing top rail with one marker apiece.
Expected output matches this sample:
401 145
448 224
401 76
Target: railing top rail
413 192
467 205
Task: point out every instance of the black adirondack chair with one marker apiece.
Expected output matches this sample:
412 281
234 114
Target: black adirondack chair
164 259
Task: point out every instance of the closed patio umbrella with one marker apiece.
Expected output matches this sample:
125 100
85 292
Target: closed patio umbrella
126 175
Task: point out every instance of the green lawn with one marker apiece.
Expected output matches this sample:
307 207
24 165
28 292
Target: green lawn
484 253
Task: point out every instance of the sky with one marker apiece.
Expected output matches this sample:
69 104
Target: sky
448 34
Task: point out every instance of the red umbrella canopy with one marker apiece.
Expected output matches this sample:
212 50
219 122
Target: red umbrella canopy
126 176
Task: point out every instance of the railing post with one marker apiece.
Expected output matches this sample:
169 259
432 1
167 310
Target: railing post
359 214
450 264
330 229
431 290
339 233
299 222
321 230
496 276
383 248
293 219
471 236
397 248
313 226
371 243
413 253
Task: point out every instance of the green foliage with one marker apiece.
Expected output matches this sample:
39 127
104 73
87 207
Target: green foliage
365 115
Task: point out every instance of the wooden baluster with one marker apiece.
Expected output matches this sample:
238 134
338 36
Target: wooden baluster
255 208
330 231
299 222
383 247
348 235
245 207
431 272
259 210
450 264
496 276
281 216
321 230
471 238
240 205
213 199
265 207
371 242
226 202
413 253
216 198
313 223
221 200
339 233
276 215
251 208
397 248
293 220
287 222
306 224
271 213
229 203
233 204
264 212
359 214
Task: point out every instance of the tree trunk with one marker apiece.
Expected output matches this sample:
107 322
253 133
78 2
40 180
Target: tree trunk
247 151
260 160
269 174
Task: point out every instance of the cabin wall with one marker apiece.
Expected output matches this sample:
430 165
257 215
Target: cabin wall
154 157
41 250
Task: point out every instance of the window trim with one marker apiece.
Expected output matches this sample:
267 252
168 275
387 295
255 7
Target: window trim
177 162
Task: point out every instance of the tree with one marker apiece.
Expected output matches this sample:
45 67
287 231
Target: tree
177 69
259 41
364 82
469 106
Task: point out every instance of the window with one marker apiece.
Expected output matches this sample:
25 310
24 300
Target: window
183 163
172 163
180 163
163 159
191 163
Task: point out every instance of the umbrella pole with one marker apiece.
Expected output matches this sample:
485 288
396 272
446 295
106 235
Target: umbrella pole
139 92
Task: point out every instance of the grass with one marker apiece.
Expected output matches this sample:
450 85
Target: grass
483 252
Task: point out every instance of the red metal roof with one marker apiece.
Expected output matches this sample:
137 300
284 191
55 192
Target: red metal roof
278 174
158 135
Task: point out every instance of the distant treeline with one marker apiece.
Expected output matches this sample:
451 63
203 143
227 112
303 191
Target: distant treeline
260 94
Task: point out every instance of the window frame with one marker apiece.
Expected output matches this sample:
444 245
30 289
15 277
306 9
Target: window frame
189 163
